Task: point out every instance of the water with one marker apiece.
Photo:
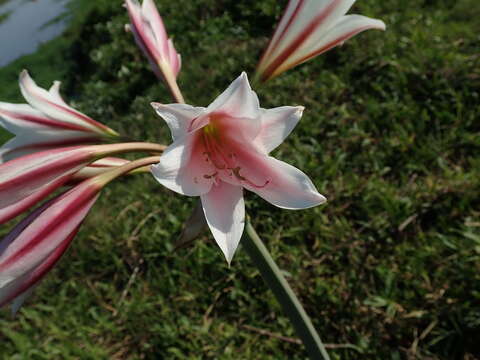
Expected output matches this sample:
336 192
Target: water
27 26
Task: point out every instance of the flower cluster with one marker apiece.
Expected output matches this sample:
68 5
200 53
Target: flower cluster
63 158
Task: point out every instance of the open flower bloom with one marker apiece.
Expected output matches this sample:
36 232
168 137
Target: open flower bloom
309 28
150 34
219 150
45 122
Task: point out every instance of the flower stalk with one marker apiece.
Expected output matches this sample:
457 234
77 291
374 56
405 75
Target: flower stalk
292 307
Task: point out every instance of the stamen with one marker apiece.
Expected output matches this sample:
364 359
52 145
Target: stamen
236 172
210 176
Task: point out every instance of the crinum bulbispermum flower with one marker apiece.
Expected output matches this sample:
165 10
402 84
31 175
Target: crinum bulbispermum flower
309 28
45 122
219 150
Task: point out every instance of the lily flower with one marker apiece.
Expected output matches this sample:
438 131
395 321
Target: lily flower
222 149
45 122
150 35
309 28
36 244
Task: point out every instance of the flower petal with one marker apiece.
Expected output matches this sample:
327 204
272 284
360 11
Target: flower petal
18 290
305 18
345 28
238 100
184 167
22 177
44 233
11 211
22 118
178 117
32 142
279 183
150 13
224 210
276 125
49 104
288 188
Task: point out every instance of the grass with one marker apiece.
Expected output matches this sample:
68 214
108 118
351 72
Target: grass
387 269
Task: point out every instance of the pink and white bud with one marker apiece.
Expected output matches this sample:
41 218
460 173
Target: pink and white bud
47 122
35 245
150 34
22 177
30 178
98 167
309 28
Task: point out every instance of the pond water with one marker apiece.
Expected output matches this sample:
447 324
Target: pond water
25 24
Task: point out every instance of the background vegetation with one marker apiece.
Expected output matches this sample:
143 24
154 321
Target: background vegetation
389 268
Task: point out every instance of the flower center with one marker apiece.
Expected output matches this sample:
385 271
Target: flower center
223 157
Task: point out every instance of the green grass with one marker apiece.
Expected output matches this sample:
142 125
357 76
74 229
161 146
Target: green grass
390 265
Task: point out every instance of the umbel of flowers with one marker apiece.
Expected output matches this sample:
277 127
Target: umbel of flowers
59 160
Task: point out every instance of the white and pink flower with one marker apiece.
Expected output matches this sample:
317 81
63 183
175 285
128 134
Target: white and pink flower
219 150
309 28
45 122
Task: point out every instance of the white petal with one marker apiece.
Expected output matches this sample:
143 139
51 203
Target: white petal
276 125
178 117
55 92
277 182
224 210
48 103
238 100
183 167
288 187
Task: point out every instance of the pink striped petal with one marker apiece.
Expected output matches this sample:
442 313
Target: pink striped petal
224 210
11 211
22 118
98 167
55 108
19 289
34 243
346 27
303 33
22 177
33 142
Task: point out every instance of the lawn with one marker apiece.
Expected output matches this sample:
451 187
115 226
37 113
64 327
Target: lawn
388 269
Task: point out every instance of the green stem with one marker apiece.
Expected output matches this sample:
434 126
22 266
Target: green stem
284 294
